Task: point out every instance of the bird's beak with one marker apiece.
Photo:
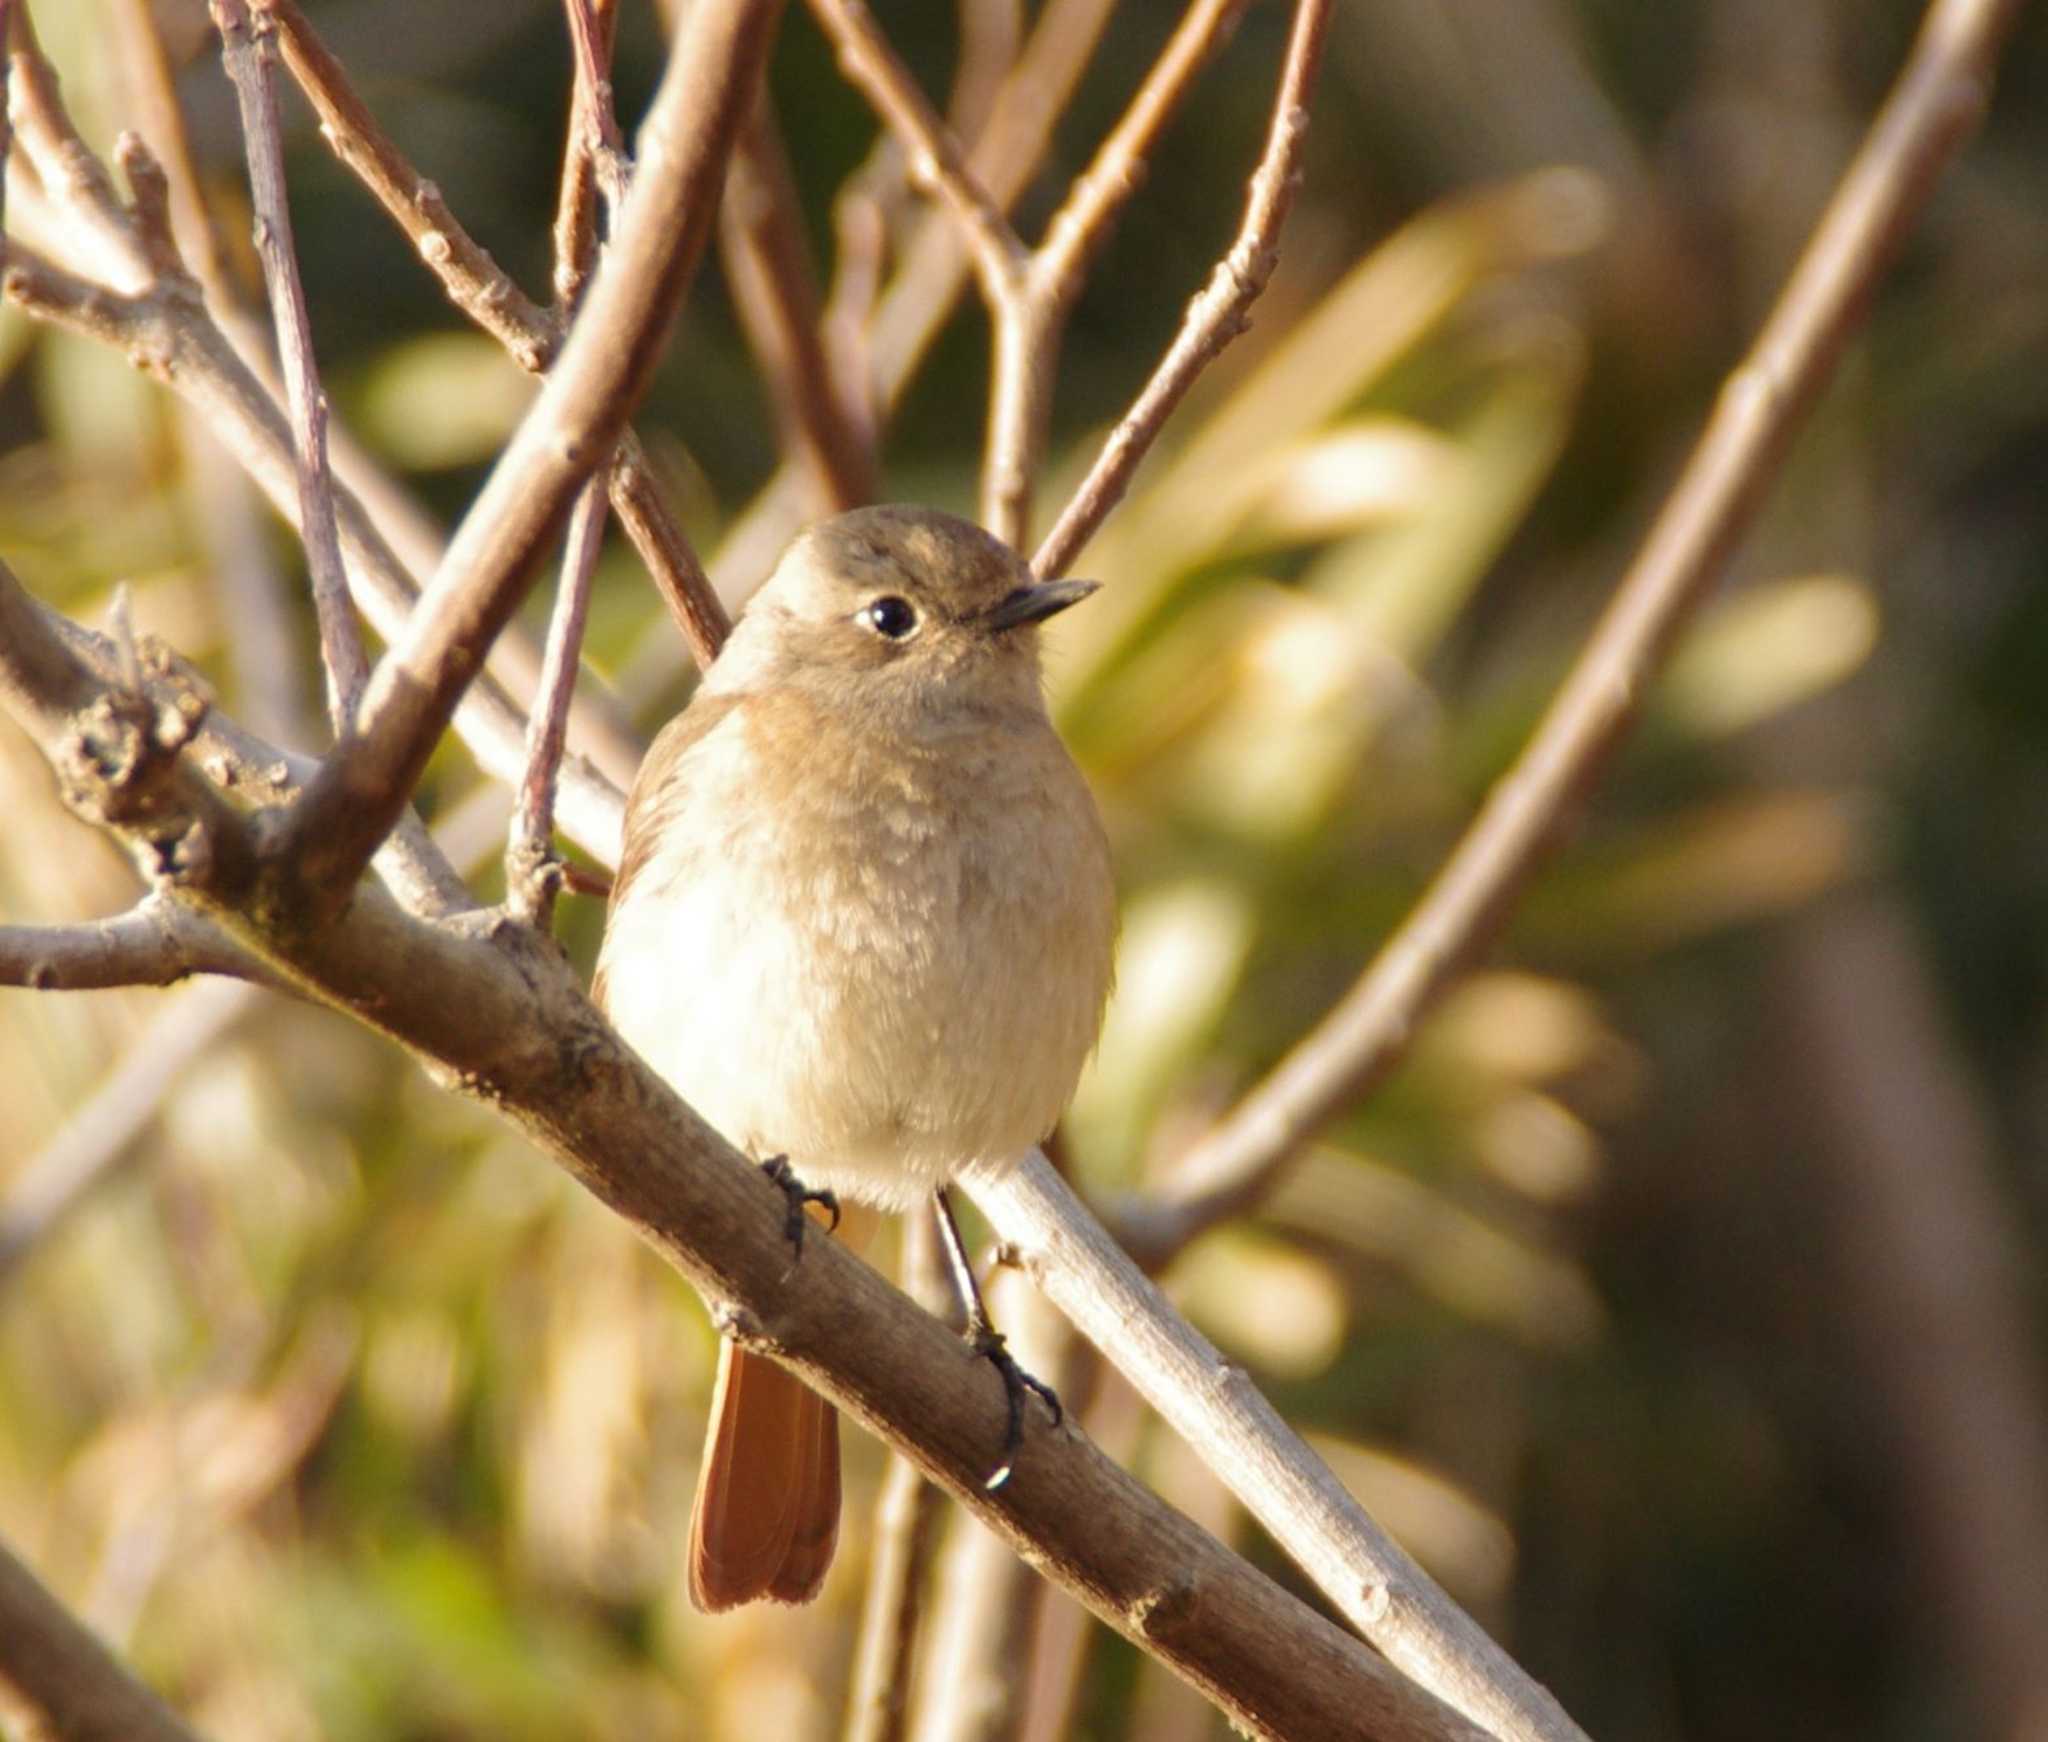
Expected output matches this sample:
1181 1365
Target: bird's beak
1036 602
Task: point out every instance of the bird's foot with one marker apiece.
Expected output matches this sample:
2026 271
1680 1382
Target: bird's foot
987 1342
796 1195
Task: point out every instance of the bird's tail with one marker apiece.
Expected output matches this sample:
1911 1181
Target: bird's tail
767 1514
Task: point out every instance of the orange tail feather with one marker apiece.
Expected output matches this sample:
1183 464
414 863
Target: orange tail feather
767 1514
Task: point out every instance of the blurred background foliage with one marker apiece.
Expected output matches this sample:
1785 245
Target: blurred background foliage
351 1418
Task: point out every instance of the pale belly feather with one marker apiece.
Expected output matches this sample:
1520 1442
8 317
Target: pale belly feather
916 996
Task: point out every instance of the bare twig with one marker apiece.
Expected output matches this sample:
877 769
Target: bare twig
594 156
63 1681
991 31
477 286
1938 99
1029 294
985 1603
373 498
712 75
1218 314
152 944
876 343
250 53
775 293
594 175
937 160
1085 217
100 1134
533 872
473 281
1023 339
1004 159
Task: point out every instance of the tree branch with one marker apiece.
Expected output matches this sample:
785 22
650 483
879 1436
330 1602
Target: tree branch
533 872
164 330
476 284
155 943
712 75
1029 294
250 55
1937 101
1218 314
905 1523
416 869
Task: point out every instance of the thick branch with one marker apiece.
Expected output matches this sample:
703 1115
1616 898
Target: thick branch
712 76
1936 103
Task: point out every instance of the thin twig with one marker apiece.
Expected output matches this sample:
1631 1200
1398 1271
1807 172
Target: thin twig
481 289
250 54
1005 157
533 870
594 155
991 31
985 1601
1029 294
249 51
936 158
592 193
159 322
1935 104
1217 314
1089 211
371 493
875 363
1024 337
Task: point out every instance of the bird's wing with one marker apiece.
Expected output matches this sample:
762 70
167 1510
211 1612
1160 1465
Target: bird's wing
660 789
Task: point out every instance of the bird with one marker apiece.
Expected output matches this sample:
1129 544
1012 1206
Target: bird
864 923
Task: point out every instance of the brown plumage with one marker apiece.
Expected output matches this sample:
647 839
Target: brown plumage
863 919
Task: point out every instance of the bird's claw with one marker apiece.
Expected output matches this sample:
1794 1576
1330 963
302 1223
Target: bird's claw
988 1343
796 1195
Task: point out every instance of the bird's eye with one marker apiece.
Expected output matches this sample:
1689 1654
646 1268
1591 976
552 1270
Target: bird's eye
889 616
